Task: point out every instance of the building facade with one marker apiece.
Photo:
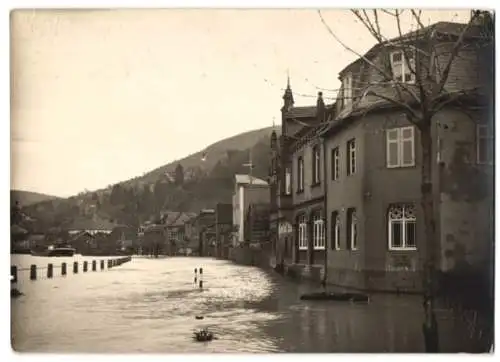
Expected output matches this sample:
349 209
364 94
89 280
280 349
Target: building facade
297 189
375 218
223 229
257 224
367 203
247 190
203 232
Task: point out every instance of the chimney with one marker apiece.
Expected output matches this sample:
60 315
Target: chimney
320 108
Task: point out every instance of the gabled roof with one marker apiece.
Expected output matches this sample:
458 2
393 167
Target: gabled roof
301 112
168 217
182 219
442 27
81 234
245 180
154 228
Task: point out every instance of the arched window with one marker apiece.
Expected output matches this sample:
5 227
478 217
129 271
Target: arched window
302 232
402 227
335 245
318 231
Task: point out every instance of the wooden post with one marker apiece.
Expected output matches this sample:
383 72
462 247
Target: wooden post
102 264
63 269
75 267
33 272
50 270
201 278
110 264
195 275
85 266
13 274
94 265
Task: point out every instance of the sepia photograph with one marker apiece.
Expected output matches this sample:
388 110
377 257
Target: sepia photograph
228 180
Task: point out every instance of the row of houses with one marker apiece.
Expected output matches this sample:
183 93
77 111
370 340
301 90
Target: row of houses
345 180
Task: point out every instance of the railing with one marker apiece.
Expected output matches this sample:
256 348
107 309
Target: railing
49 269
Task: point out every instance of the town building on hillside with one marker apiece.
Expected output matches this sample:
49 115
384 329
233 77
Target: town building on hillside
247 190
92 225
223 229
298 229
372 218
154 241
24 244
175 228
124 237
83 242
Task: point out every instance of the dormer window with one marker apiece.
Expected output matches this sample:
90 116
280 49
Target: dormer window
400 70
347 90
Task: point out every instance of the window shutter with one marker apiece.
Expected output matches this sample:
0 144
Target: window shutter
392 148
407 147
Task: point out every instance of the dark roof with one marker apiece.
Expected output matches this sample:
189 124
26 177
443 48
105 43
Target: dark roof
81 234
153 228
90 224
442 27
17 230
301 112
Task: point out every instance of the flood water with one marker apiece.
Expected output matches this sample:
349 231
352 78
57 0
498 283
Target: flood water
150 305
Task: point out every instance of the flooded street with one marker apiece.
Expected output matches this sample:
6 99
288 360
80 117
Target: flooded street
149 305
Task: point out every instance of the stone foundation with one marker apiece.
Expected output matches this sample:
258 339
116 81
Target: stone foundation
305 272
376 281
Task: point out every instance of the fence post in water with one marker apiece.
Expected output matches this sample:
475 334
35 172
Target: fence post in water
195 275
63 269
110 264
201 278
75 267
102 264
85 266
50 270
13 274
94 265
33 272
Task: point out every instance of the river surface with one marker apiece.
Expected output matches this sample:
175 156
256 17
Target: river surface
150 305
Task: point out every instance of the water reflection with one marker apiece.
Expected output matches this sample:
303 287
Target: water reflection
150 306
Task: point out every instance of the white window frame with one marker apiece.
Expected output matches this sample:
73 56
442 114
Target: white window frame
351 157
302 229
288 181
318 232
335 164
336 230
347 90
406 75
353 225
404 220
316 165
395 136
488 137
300 174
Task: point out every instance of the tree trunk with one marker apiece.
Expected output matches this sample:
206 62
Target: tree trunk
430 328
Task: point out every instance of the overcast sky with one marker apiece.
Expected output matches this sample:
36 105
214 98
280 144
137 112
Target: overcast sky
102 96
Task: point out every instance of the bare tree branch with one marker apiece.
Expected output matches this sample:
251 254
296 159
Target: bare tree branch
418 18
388 77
